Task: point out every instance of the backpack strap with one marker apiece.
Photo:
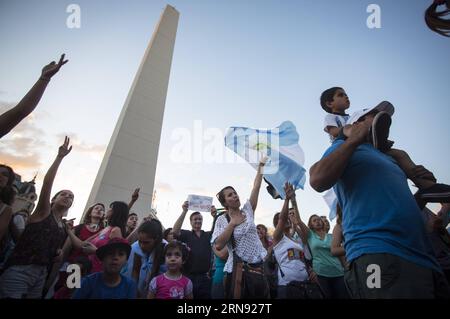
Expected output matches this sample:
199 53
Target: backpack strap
276 263
236 287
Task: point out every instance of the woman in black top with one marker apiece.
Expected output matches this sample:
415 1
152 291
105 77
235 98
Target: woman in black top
41 240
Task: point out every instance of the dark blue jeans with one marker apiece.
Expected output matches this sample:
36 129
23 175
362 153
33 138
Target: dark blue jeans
201 286
218 291
399 279
333 287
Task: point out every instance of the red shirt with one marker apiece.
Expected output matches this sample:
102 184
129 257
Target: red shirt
84 234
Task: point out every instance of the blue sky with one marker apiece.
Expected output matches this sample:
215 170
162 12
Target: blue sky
236 63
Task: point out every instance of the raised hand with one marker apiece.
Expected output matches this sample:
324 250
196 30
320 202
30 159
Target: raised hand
52 68
294 220
135 195
213 211
185 206
64 149
263 161
289 190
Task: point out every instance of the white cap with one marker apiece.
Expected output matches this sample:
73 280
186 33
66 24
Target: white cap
384 106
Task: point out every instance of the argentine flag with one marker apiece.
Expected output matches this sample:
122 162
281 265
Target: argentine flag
331 199
285 157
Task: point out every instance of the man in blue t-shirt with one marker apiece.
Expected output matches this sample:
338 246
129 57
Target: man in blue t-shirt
385 240
109 284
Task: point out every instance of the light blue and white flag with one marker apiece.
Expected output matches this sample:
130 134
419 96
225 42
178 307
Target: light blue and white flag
331 200
285 156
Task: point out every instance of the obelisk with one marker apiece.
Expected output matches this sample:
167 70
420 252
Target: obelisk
131 156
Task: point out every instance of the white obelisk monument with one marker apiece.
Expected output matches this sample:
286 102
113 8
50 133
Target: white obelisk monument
132 153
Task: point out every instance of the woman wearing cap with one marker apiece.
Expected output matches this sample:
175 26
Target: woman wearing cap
236 230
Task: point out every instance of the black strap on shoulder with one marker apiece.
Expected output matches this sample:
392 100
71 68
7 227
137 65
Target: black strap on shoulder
233 241
277 263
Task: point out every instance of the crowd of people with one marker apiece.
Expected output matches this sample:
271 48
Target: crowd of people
379 222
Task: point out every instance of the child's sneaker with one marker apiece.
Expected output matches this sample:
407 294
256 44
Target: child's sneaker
379 131
438 193
385 106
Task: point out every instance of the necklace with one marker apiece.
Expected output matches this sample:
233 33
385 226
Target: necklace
58 222
93 227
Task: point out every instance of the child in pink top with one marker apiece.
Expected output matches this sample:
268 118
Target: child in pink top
172 284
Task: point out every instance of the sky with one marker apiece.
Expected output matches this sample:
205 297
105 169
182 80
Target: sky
236 63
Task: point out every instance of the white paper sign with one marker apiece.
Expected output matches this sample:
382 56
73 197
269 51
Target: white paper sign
200 203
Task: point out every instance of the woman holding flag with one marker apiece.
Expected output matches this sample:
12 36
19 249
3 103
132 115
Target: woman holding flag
236 230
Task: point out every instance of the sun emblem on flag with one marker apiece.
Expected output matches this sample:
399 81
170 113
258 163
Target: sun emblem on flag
261 146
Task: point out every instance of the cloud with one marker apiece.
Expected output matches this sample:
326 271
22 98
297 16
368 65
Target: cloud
28 125
163 187
22 147
20 163
266 213
198 190
242 179
96 150
4 106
